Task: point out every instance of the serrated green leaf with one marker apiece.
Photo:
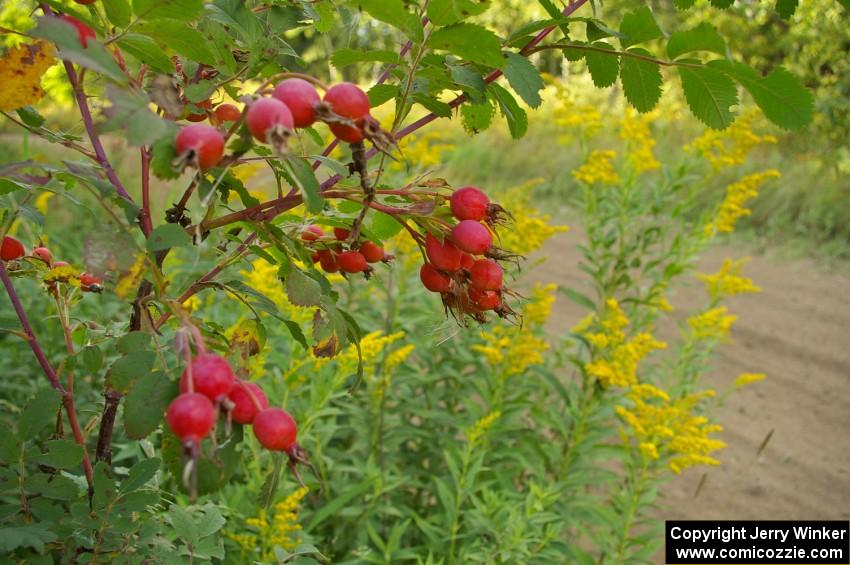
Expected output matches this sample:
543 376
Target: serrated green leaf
383 226
470 42
93 56
133 341
92 358
177 35
167 236
639 26
524 78
127 369
184 524
446 12
39 412
596 29
60 487
305 178
146 403
30 116
477 117
381 93
303 290
701 38
140 474
780 95
515 116
62 454
786 8
211 522
171 9
345 57
468 80
393 12
29 535
641 81
709 94
162 159
603 68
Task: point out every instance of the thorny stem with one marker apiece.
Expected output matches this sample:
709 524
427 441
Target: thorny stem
358 155
49 372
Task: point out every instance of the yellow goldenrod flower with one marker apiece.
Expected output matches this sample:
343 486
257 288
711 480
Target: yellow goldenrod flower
424 150
263 278
634 129
42 200
728 280
537 310
731 146
733 206
511 350
529 229
598 168
745 379
476 433
281 531
130 280
712 324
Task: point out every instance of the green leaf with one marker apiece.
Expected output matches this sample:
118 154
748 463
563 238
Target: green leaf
127 369
709 94
175 9
92 358
130 112
140 474
30 116
167 236
94 56
8 186
162 161
383 226
470 42
435 106
147 51
786 8
62 454
345 57
268 491
641 81
381 93
393 12
30 535
332 507
603 68
701 38
303 290
468 80
477 117
515 116
146 403
780 95
211 522
185 40
446 12
524 78
639 26
722 4
305 178
39 412
60 487
184 524
133 341
118 12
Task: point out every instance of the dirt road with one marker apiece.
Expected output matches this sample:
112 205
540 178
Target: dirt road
797 330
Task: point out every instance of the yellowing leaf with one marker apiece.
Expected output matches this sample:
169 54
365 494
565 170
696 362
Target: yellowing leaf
20 74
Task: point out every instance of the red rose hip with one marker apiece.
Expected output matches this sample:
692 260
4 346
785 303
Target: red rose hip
11 249
226 113
200 144
352 262
443 255
469 203
269 119
244 408
44 254
347 100
301 98
312 233
211 376
486 274
275 429
472 237
372 252
191 416
434 280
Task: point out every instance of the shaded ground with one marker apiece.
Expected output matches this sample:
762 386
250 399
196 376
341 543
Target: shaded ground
797 330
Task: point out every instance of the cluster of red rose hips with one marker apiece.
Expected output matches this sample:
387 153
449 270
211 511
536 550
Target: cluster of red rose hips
12 249
461 266
335 253
294 103
208 385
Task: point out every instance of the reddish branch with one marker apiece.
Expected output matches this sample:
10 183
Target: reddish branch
50 373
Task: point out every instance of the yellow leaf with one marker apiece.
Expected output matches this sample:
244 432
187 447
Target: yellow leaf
20 74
